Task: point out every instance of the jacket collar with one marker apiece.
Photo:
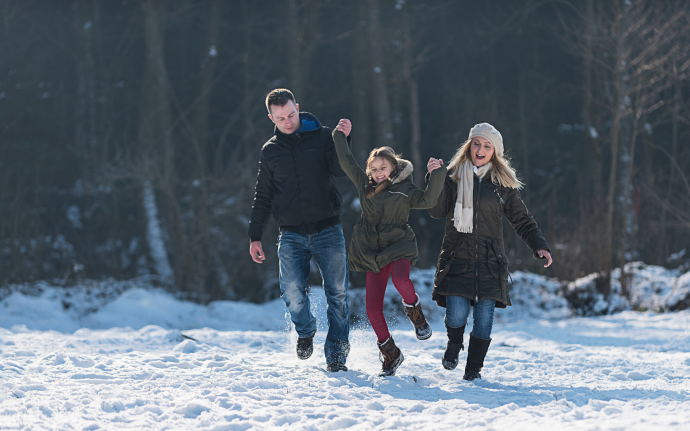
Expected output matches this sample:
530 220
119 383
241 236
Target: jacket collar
309 123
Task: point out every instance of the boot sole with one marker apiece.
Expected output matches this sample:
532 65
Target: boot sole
449 365
424 337
304 357
395 367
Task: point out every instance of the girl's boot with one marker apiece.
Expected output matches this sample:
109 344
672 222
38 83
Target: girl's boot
476 353
416 316
455 339
391 357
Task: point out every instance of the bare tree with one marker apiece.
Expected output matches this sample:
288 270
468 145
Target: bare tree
155 138
382 112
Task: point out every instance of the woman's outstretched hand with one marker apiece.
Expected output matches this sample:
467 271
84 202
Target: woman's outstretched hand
434 164
544 254
344 126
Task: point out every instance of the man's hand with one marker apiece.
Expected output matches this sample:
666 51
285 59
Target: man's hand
257 251
434 164
344 126
544 254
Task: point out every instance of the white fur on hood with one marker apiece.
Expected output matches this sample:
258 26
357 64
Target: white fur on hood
406 171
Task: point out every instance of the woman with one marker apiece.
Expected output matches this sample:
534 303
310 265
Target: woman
383 244
473 267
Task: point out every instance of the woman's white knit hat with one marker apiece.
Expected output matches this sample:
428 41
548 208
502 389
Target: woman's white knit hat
489 132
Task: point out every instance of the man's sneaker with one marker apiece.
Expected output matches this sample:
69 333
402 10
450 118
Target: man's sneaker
305 347
336 366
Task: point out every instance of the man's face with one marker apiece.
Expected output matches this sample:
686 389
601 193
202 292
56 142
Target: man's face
286 118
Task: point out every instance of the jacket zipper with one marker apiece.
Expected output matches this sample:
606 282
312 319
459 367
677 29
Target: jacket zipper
499 196
299 187
476 242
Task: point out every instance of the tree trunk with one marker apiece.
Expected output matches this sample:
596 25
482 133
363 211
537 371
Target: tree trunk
207 74
361 67
522 109
590 179
415 130
154 236
382 112
155 139
615 103
413 94
294 48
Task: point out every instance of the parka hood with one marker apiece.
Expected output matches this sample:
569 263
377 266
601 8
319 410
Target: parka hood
405 172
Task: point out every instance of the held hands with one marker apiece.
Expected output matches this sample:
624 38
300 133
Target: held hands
544 254
344 126
257 252
434 164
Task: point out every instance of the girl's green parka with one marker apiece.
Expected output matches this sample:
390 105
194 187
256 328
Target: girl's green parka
382 235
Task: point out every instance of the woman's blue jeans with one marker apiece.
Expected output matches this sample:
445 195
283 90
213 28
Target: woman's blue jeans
327 247
458 310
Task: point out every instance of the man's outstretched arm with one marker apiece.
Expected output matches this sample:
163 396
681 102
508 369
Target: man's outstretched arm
261 210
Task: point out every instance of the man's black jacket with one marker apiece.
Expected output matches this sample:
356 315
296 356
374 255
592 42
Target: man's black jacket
295 181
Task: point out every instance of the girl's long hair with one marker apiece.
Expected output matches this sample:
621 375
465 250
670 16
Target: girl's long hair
389 155
502 172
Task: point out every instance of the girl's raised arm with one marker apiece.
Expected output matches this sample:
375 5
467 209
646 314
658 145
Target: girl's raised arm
347 160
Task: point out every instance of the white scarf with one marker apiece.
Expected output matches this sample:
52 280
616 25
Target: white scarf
463 216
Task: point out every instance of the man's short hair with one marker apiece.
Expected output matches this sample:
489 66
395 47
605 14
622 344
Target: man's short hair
279 97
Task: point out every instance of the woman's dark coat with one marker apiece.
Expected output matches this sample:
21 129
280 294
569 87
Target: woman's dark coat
382 235
474 265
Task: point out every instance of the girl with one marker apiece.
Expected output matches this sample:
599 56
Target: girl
473 267
382 242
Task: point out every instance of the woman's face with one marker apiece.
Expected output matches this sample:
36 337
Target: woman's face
481 151
380 169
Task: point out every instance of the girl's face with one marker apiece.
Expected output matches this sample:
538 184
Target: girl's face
481 151
380 169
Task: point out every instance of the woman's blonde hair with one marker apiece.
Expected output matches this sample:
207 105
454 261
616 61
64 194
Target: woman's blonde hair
502 173
389 155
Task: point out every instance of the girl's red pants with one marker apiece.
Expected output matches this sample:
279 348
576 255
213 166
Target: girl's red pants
376 289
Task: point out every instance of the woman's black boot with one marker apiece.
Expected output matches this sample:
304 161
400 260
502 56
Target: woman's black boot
476 353
391 357
455 339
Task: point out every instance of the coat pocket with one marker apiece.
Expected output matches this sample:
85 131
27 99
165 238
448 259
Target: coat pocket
497 261
452 260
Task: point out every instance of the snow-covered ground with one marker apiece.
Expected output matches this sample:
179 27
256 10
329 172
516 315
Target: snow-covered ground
133 368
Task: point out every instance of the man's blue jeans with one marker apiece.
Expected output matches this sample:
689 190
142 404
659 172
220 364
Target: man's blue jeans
327 247
458 309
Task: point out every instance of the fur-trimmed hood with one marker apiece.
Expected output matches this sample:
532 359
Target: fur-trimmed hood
405 172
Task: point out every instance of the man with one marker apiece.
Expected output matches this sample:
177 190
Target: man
295 184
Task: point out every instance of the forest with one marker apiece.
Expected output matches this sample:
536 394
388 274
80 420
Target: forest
130 131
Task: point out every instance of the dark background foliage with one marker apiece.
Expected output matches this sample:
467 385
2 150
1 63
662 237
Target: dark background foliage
130 130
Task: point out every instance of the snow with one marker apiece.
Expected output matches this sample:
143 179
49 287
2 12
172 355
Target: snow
650 288
155 236
142 359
